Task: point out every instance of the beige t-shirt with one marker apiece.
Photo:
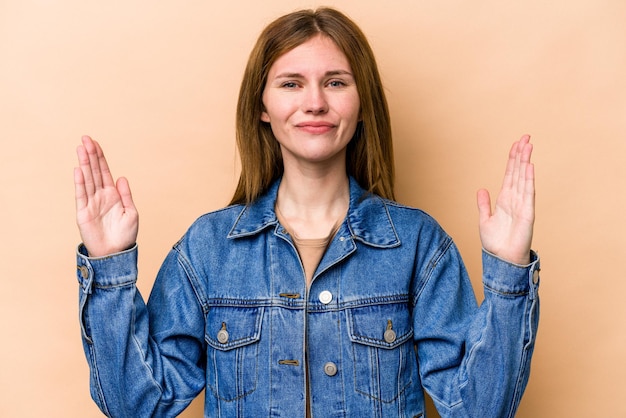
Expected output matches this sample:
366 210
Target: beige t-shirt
311 250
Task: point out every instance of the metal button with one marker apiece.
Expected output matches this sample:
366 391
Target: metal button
325 297
222 334
330 368
289 362
84 271
289 295
390 336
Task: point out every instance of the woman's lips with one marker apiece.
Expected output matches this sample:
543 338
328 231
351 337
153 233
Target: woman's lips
316 127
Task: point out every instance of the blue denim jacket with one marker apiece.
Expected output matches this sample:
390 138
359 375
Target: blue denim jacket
390 313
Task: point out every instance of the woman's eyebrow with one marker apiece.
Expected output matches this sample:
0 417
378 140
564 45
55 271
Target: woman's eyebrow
327 74
338 72
289 75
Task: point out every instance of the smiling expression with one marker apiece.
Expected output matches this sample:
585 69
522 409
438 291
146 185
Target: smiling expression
312 103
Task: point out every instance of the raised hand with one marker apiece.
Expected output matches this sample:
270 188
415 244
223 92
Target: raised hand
507 231
105 213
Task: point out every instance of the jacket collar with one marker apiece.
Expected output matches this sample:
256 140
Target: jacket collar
368 218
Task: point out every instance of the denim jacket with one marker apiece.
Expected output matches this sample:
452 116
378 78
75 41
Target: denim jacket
390 313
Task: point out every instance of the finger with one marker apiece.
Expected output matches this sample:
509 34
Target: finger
94 161
79 189
107 178
527 152
85 168
524 163
511 167
529 186
123 189
523 140
522 158
483 201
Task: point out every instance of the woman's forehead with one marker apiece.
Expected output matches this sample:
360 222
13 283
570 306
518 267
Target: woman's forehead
319 53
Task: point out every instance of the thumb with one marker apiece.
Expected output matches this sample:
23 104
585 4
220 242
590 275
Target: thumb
123 188
484 205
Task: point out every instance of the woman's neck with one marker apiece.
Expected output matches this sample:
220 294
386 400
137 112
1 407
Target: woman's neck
313 203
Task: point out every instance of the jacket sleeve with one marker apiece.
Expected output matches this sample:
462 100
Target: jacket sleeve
475 361
144 360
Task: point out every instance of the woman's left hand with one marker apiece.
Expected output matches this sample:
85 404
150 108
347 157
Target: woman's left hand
507 231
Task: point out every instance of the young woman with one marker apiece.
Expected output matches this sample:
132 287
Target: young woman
313 293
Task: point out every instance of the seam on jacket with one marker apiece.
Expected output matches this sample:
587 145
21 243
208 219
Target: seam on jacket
424 278
191 275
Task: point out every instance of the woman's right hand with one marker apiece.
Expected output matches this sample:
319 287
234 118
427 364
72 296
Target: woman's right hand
105 213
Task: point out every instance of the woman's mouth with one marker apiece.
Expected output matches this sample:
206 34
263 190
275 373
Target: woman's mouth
315 127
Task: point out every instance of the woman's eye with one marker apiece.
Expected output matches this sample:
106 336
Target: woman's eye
289 85
336 83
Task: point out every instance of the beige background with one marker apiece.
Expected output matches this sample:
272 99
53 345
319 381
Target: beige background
156 83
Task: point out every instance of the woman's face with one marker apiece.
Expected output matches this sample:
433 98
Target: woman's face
312 103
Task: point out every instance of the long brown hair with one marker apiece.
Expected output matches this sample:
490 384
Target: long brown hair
370 154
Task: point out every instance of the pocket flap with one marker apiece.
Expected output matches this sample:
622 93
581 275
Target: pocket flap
232 327
368 325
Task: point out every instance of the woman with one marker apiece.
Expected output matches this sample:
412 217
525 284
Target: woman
313 293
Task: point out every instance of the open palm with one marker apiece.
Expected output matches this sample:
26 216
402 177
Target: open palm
105 213
507 230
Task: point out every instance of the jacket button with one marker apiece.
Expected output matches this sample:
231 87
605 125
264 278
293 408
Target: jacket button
390 336
84 271
325 297
330 368
222 336
536 276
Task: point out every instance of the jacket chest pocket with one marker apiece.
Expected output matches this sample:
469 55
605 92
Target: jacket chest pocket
232 335
382 347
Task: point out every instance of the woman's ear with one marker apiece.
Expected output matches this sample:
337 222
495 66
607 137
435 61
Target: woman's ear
265 117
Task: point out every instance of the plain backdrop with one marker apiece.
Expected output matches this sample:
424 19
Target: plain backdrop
156 83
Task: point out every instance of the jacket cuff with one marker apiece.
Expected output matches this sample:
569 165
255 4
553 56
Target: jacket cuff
511 279
113 270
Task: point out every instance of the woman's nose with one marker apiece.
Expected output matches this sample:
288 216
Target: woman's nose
314 101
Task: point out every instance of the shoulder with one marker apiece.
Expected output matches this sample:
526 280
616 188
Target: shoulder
409 216
377 219
226 214
414 225
214 224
